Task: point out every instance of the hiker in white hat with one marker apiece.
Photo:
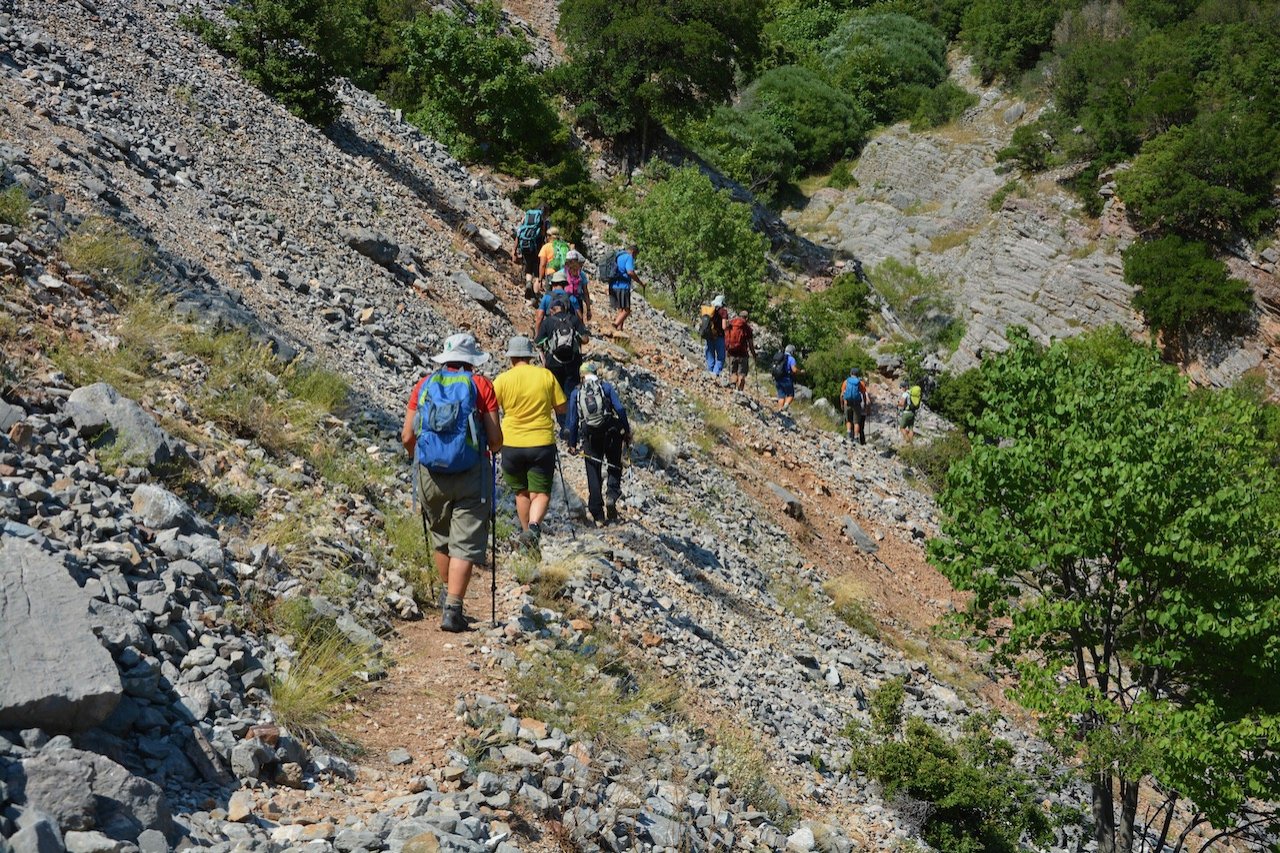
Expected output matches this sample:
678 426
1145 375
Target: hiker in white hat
451 418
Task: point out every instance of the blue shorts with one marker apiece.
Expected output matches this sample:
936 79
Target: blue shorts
786 387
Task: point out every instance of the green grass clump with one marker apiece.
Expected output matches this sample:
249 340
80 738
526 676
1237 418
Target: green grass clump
847 597
14 206
798 599
933 459
410 553
105 250
738 755
596 693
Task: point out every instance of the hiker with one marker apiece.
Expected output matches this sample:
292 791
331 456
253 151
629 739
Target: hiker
560 335
598 418
740 345
784 372
621 275
559 292
908 404
551 256
855 402
711 329
452 415
531 233
529 397
576 282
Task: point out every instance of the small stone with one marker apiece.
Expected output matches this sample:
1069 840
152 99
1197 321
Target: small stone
399 756
240 806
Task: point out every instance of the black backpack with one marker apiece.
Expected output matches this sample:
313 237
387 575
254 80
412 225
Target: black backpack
704 325
560 300
561 338
594 408
609 266
779 368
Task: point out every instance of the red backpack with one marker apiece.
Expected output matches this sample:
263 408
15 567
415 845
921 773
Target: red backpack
737 336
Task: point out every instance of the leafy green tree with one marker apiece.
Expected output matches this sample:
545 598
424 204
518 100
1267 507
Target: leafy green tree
958 397
1182 289
700 240
825 369
1120 536
747 147
1211 180
941 104
478 94
294 49
886 61
820 121
634 64
1006 37
819 320
974 798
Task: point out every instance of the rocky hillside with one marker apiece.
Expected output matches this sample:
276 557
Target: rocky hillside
185 513
1011 249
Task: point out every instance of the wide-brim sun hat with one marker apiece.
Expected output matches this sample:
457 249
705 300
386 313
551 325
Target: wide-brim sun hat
520 347
575 255
461 348
559 276
718 302
587 368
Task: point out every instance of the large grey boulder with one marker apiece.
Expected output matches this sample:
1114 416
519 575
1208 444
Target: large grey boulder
472 288
84 791
161 509
99 410
54 673
373 245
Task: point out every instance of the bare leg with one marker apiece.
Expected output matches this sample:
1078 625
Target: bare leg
459 576
537 510
522 508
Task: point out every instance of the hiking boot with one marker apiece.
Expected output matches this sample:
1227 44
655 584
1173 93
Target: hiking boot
444 594
611 511
452 620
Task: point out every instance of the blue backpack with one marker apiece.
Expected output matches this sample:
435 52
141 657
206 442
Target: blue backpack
448 424
853 392
529 234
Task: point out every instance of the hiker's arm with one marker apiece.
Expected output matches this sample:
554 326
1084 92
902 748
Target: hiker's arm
561 408
407 437
616 402
493 431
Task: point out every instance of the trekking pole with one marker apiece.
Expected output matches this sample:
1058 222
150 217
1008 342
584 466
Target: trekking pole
564 493
493 534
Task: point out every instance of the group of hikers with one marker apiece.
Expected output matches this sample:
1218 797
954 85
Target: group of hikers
458 423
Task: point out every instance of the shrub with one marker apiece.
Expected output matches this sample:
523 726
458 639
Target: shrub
1006 37
14 206
1211 180
319 679
933 459
879 58
1182 289
820 121
958 398
477 93
817 321
826 368
104 249
920 303
291 50
697 238
747 147
941 104
967 794
1031 147
842 176
566 188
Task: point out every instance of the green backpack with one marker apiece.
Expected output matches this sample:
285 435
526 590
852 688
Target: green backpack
561 250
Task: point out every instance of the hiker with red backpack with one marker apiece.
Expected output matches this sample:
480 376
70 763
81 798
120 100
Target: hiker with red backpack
855 401
451 418
740 347
597 417
711 323
531 233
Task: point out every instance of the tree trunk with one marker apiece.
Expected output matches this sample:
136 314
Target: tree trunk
1104 815
1128 814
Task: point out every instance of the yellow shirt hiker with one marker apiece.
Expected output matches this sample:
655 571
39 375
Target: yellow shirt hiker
528 395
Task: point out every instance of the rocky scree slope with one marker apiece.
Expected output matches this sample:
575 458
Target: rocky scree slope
366 250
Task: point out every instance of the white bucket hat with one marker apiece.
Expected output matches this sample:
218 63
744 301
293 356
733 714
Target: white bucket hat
520 347
461 347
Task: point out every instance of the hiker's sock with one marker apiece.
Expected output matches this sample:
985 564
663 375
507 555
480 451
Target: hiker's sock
453 601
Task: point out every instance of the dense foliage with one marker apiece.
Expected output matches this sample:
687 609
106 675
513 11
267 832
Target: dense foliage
821 122
887 61
701 241
967 794
1183 289
1120 536
635 64
474 90
1006 37
820 325
748 148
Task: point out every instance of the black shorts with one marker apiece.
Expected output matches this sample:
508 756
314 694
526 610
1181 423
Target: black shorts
529 260
529 469
620 298
739 365
855 414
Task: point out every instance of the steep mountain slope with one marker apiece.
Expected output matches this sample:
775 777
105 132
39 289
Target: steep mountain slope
363 250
